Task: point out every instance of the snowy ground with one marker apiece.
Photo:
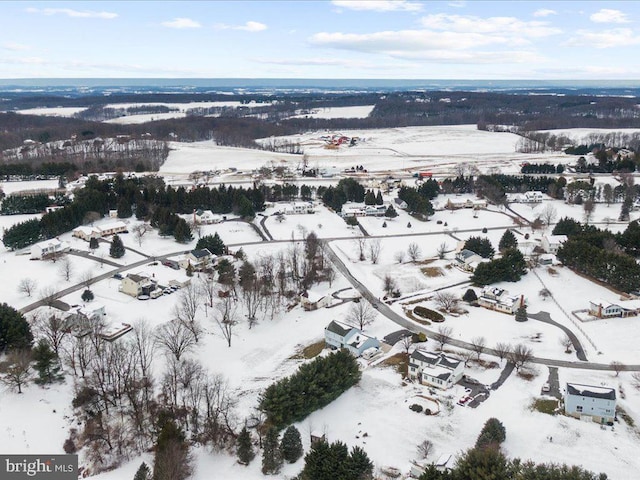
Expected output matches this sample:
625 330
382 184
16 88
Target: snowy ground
360 111
379 405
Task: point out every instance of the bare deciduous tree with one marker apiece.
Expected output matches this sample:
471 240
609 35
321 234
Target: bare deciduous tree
589 207
87 279
144 345
374 250
226 318
361 314
544 293
48 296
53 329
447 301
425 448
399 256
549 214
478 344
187 308
140 230
209 290
15 371
443 335
407 343
566 343
175 339
388 284
66 268
520 356
361 246
502 350
414 251
27 286
617 367
442 250
636 379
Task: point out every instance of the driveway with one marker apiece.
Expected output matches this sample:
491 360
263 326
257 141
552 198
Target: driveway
554 384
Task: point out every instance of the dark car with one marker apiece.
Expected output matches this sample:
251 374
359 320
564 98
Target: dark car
171 264
117 276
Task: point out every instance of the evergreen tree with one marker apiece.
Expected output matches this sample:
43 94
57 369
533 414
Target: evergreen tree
172 460
46 361
189 270
369 198
521 313
117 247
226 272
291 445
567 226
143 472
470 296
271 456
87 295
244 447
359 466
213 243
379 200
507 241
182 231
391 212
481 246
15 332
492 434
485 463
124 208
93 243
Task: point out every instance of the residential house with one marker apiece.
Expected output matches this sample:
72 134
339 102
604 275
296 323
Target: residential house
551 243
339 335
458 203
198 259
82 320
299 208
136 285
48 248
533 196
353 212
588 402
468 260
86 233
115 331
435 369
399 203
113 228
205 217
375 210
498 299
603 309
309 301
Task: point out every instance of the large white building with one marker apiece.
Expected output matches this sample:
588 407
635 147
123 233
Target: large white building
588 402
437 370
48 248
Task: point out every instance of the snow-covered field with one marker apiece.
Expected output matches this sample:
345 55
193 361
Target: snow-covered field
52 111
378 406
361 111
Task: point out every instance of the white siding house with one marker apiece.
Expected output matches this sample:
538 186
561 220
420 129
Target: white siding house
48 248
339 335
438 370
498 299
551 243
588 402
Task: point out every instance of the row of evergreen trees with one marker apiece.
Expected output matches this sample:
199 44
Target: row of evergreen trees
23 204
315 385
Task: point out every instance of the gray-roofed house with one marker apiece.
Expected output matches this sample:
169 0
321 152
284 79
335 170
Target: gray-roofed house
136 285
590 402
438 370
340 335
468 260
199 259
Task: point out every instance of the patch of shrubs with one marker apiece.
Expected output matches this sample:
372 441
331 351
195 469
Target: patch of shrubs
416 408
432 315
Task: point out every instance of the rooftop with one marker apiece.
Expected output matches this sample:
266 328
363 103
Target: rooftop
606 393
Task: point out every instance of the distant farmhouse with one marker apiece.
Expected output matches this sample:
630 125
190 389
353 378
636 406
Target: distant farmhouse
603 309
48 249
437 370
206 217
458 203
340 335
498 299
299 208
551 243
587 402
310 302
87 233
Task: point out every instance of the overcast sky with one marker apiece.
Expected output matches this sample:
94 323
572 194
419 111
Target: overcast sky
321 39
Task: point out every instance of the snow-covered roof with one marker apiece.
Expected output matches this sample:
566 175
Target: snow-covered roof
555 239
591 391
438 371
112 225
603 303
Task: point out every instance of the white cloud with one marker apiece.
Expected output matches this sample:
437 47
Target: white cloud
458 4
72 13
606 15
618 37
15 47
24 61
544 12
247 27
442 47
379 5
490 25
181 23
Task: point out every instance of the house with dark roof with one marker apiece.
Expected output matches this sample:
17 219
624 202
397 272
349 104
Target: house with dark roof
339 335
469 260
136 285
435 369
588 402
198 259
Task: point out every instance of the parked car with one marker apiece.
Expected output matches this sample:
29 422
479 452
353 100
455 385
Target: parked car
171 264
546 388
117 276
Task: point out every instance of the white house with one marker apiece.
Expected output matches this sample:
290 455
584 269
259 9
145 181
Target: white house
86 233
198 259
299 208
551 243
435 369
48 248
399 203
113 228
604 309
468 260
587 402
309 301
136 285
498 299
533 196
340 335
205 217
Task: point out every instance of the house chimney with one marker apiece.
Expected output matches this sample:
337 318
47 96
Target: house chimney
194 216
600 310
522 300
